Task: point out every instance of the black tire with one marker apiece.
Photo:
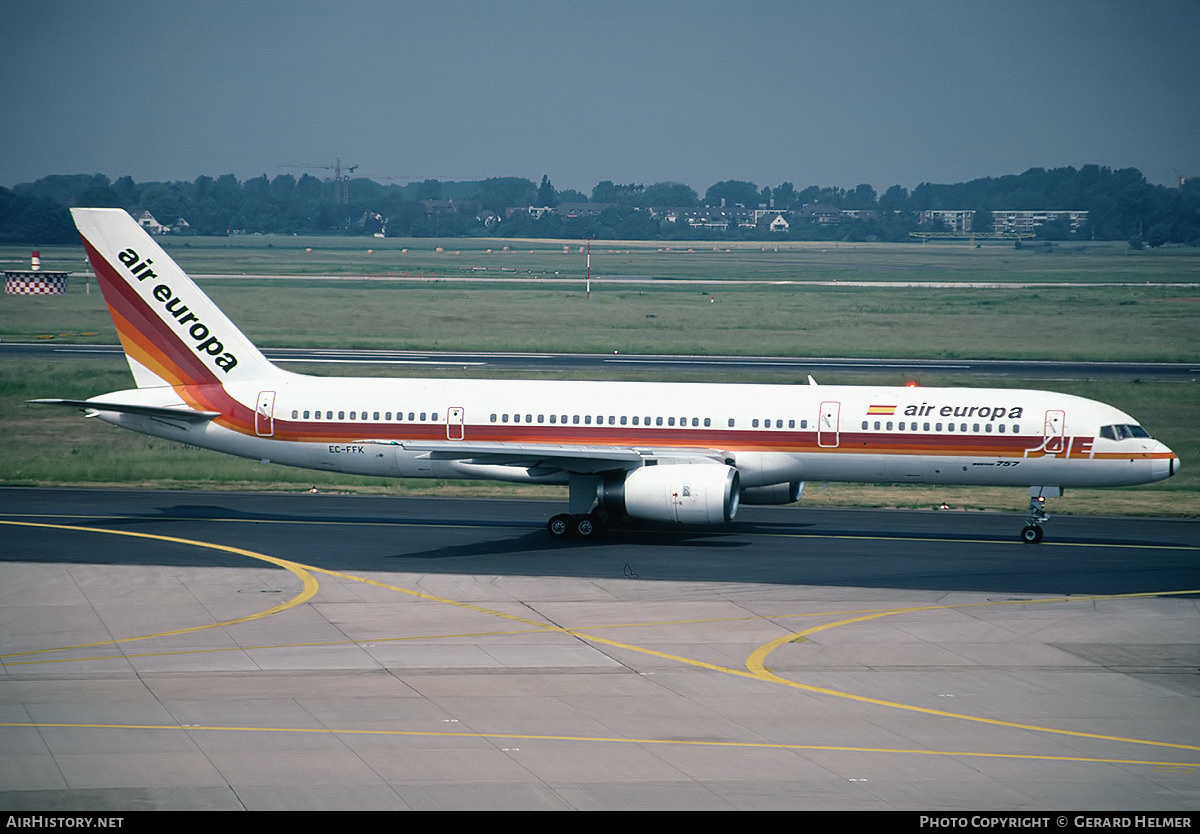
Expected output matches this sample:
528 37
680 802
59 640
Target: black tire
1031 534
560 526
601 516
585 527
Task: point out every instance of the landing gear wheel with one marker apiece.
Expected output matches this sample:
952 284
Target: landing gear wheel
560 526
585 527
1031 534
602 516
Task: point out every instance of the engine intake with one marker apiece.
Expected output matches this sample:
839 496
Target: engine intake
682 493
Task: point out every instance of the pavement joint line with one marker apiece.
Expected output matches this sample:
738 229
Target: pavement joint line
755 665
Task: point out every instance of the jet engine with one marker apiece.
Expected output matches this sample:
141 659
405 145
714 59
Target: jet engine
785 493
684 493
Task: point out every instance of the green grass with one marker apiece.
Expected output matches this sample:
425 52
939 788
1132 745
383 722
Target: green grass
40 445
1072 322
1104 262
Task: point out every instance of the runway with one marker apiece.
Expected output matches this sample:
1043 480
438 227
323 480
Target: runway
185 650
582 362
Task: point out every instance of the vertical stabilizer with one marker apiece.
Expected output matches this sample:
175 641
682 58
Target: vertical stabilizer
171 332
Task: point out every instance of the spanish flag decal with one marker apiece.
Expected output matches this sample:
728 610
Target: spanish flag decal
881 410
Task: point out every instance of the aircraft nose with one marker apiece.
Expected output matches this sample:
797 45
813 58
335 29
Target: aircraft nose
1165 467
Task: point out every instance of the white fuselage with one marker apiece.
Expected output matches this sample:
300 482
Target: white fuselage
770 433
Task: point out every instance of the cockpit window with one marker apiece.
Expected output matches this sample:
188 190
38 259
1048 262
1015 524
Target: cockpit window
1123 431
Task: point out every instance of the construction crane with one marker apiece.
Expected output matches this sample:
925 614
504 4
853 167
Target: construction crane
341 182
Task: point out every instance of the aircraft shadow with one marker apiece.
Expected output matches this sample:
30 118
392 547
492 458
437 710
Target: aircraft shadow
782 546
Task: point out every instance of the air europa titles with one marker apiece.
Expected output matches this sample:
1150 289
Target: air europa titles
187 320
981 412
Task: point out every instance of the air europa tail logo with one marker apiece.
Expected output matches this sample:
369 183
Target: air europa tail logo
185 319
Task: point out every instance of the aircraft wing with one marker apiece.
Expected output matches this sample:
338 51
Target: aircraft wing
189 415
563 457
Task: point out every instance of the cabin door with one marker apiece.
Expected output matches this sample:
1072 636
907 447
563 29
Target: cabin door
264 414
827 424
1055 432
454 423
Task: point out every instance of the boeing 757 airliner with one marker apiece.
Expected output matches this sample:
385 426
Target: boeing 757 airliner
672 452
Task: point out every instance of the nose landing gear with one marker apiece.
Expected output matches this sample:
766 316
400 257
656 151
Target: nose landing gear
1031 533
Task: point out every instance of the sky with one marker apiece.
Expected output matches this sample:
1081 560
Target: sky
831 93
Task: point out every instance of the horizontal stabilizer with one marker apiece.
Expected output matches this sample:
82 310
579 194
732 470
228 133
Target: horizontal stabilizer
190 415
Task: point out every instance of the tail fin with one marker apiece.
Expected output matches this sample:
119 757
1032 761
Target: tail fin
171 332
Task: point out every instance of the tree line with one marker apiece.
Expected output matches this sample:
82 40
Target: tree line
1121 205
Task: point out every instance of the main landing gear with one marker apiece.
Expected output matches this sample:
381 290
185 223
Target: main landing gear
579 525
586 518
1031 533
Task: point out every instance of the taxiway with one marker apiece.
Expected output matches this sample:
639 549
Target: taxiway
222 651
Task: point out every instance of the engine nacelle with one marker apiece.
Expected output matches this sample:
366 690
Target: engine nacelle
683 493
785 493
